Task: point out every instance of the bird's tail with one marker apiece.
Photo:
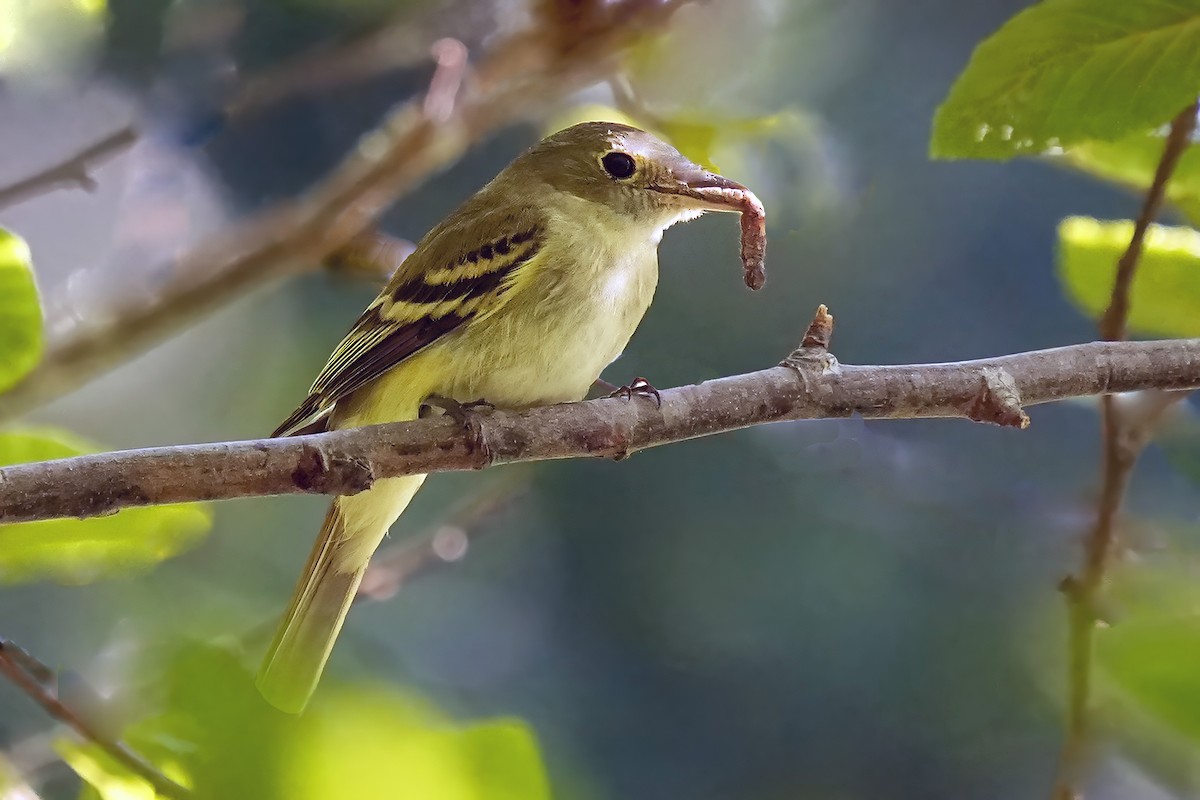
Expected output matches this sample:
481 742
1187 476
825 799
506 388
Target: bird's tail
353 529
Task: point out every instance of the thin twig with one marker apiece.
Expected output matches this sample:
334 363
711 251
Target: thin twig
522 75
1122 445
809 385
36 680
396 43
396 565
73 171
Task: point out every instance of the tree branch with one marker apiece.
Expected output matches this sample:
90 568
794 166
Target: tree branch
1123 441
522 74
36 680
810 384
73 171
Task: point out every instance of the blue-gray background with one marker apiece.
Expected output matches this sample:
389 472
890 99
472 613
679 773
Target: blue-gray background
827 610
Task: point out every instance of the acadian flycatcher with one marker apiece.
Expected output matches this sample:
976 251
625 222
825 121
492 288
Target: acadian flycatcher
522 296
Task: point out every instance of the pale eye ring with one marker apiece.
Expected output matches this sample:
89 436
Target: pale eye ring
619 165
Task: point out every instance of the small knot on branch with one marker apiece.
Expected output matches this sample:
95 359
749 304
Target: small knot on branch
814 347
316 474
998 401
820 330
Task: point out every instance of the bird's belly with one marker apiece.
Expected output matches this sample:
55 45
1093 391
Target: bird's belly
549 347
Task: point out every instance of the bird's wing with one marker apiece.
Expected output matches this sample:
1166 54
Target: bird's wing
462 271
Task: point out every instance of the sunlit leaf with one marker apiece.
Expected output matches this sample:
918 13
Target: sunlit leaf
20 312
78 551
351 735
504 759
104 777
218 736
1065 71
1165 298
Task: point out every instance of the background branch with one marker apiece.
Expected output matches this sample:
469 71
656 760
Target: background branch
810 384
73 171
521 75
36 680
1123 442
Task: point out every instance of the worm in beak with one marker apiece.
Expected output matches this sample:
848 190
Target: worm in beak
705 190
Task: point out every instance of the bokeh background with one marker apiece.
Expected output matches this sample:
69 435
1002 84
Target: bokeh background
835 609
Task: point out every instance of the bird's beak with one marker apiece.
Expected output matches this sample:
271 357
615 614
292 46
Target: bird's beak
698 188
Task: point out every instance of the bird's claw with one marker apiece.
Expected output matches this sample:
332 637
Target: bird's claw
640 387
462 413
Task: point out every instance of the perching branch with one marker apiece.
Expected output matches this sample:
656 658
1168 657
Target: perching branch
75 170
809 384
1123 442
521 75
37 681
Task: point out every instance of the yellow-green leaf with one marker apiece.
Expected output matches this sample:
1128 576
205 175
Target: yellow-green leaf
1165 297
347 741
216 734
79 551
1066 71
20 312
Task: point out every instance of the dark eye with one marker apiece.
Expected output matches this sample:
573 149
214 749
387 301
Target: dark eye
619 165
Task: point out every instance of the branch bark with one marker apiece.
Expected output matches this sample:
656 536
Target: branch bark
76 170
523 74
810 384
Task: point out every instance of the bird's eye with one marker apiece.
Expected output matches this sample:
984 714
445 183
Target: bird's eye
619 165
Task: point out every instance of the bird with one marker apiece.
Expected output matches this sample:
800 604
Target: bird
520 297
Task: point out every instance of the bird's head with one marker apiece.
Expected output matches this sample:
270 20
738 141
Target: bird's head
630 172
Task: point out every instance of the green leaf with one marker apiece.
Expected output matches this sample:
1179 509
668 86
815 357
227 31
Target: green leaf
104 777
218 736
20 312
1165 296
349 738
1065 71
79 551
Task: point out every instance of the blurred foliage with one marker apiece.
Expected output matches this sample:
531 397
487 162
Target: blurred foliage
1165 296
1152 654
1066 71
217 736
80 551
1179 439
44 39
20 312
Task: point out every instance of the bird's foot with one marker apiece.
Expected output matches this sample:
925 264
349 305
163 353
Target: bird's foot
464 414
640 387
468 416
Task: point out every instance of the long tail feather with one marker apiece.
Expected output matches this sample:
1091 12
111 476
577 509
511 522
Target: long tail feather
313 619
353 528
